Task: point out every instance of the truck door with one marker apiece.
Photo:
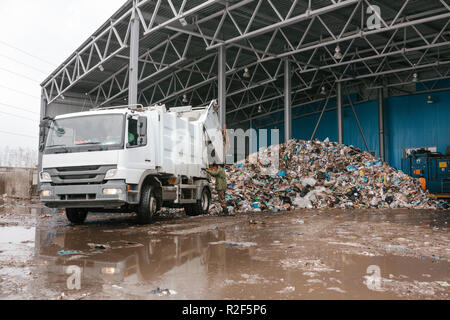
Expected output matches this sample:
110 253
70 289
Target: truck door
138 148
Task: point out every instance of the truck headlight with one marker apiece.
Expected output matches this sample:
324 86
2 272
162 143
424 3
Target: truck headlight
110 174
112 191
109 270
46 193
45 177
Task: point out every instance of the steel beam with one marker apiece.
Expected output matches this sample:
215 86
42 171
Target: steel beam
355 58
349 98
286 22
388 72
76 68
116 33
134 59
320 117
287 101
381 124
222 85
43 113
340 115
181 14
304 104
379 54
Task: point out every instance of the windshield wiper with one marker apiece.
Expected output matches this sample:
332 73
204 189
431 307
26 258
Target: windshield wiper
98 149
87 143
56 145
62 146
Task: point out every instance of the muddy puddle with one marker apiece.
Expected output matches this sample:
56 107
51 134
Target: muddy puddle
396 254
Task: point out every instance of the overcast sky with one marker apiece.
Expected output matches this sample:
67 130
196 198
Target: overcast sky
49 31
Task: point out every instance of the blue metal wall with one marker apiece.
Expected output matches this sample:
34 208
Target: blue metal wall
409 122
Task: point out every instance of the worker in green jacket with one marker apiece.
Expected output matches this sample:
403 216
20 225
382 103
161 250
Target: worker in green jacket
221 186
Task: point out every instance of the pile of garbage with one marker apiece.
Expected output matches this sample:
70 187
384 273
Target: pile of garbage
315 174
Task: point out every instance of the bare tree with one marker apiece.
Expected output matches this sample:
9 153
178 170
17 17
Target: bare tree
18 157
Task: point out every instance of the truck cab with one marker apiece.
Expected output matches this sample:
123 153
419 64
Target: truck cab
130 160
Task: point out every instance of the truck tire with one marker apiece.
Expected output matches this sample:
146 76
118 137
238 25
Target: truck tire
202 205
148 205
76 216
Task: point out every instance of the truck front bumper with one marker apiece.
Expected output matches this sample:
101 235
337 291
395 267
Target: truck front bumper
112 194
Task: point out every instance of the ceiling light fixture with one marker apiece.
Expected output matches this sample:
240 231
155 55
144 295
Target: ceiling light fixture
185 99
337 53
100 67
323 91
415 77
246 73
260 109
430 100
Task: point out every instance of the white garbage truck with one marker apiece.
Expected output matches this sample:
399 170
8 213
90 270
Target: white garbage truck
130 159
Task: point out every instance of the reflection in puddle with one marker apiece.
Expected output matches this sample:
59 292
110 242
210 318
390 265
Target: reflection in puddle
16 235
135 258
299 255
240 261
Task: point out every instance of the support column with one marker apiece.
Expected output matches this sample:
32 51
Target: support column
287 101
222 85
42 132
222 94
134 59
340 115
381 124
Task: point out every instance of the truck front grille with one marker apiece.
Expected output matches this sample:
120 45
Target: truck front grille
86 196
79 175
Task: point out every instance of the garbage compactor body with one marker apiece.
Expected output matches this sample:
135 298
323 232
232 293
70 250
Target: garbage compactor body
109 158
433 166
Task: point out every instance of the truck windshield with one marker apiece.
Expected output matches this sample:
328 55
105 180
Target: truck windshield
86 133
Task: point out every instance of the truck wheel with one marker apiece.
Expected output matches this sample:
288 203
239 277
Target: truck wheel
202 205
76 216
148 205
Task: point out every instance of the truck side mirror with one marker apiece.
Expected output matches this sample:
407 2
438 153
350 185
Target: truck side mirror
142 126
142 130
42 136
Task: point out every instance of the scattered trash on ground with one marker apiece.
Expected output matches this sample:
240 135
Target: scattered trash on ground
315 174
67 252
120 244
287 290
96 248
99 246
336 289
235 244
163 292
251 221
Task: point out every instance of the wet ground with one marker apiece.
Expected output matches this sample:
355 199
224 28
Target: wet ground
308 254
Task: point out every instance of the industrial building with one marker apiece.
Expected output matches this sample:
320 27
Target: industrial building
373 74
